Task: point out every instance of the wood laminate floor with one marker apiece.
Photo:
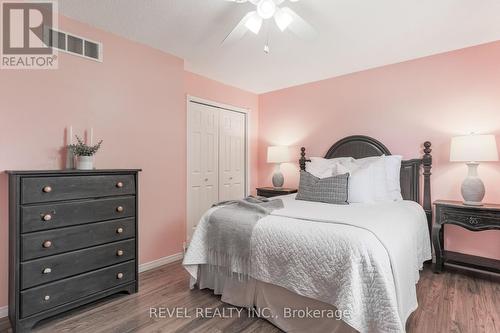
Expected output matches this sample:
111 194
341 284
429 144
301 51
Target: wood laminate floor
448 302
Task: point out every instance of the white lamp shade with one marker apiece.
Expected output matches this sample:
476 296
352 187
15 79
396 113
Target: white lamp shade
474 148
278 154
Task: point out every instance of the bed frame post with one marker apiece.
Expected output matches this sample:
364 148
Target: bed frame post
303 159
427 163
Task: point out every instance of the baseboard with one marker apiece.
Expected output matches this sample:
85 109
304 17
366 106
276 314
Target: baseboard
4 311
160 262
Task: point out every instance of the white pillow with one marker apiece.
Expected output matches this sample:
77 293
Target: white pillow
367 181
393 173
361 185
323 168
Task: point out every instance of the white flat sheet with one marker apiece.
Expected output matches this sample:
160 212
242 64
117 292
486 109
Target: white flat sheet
361 258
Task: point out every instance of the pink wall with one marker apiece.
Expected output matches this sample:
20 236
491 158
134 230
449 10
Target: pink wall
402 105
136 101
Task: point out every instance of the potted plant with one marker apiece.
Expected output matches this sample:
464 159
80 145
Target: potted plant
84 154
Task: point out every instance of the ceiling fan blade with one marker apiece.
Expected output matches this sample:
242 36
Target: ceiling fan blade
299 26
240 29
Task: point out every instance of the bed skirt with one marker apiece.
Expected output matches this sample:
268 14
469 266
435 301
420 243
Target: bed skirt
285 309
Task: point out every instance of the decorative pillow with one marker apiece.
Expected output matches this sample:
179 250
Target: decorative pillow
324 168
333 190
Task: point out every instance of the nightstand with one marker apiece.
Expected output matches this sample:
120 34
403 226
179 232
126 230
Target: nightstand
473 218
269 192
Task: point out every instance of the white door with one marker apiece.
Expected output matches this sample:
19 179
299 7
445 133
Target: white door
202 161
232 157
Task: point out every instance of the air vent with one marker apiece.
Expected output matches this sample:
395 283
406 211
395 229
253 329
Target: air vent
73 44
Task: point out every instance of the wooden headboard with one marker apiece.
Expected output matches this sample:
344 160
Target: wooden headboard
359 146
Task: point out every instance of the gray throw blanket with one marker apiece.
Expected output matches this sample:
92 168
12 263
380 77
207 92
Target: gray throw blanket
230 231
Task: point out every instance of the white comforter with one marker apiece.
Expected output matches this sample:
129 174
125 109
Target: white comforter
362 258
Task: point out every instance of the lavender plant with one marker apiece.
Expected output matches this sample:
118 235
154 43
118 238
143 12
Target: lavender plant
82 149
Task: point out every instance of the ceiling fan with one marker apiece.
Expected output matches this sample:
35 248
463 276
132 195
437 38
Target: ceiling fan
284 17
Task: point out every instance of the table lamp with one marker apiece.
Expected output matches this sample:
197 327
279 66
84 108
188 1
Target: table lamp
278 155
473 149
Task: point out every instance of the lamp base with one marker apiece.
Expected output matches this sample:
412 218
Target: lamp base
278 179
473 187
472 203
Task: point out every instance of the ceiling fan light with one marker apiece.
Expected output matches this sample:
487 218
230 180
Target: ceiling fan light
266 8
253 23
283 19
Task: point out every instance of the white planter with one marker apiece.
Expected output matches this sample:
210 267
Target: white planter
84 162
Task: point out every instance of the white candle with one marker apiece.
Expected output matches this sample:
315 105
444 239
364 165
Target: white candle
70 141
91 136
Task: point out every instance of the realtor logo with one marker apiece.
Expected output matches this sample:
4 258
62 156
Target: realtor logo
26 30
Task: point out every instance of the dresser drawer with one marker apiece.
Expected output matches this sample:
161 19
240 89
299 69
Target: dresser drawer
47 296
469 219
44 189
46 243
44 270
55 215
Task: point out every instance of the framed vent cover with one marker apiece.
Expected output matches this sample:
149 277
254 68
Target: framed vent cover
73 44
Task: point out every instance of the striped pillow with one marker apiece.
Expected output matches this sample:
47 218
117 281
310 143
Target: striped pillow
333 190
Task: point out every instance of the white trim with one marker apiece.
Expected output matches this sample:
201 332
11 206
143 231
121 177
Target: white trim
4 311
160 262
247 112
217 104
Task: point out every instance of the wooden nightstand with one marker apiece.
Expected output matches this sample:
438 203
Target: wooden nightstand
473 218
269 192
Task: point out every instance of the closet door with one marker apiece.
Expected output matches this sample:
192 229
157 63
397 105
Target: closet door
203 160
232 157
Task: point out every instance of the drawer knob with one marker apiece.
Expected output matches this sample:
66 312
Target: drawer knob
119 184
119 253
47 189
46 298
119 209
47 217
474 220
47 271
47 244
119 230
119 276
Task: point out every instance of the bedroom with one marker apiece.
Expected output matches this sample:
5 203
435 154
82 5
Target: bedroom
98 244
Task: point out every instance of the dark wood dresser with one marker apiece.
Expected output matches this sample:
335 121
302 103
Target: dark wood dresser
72 240
473 218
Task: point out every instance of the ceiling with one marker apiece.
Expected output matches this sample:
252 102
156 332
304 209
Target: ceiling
352 35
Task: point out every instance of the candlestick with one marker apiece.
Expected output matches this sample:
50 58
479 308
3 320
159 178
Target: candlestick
91 136
70 141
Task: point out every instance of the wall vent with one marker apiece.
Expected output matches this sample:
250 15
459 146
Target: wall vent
73 44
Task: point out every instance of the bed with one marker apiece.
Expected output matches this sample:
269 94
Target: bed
331 268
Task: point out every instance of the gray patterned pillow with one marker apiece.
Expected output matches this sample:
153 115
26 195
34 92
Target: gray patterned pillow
332 190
